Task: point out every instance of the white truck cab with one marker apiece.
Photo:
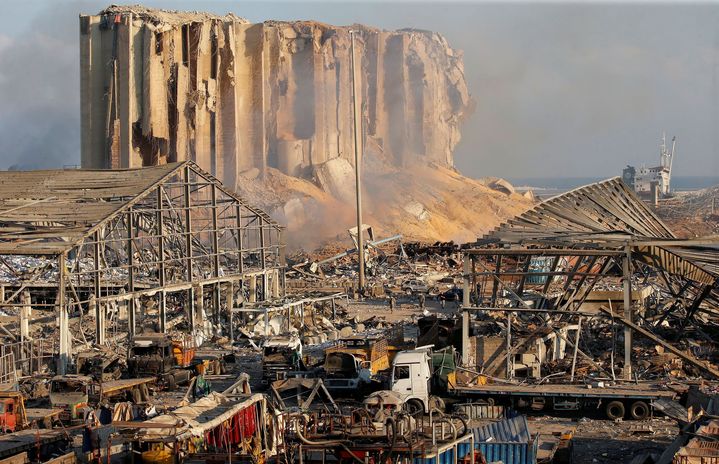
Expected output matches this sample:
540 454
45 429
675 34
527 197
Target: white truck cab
411 377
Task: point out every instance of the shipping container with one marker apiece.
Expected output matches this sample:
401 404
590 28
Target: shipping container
448 453
508 441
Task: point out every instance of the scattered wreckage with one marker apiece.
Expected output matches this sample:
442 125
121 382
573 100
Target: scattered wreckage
577 305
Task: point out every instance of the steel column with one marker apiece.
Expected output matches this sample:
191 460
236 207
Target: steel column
627 283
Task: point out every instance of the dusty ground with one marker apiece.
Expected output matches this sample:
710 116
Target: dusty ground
605 441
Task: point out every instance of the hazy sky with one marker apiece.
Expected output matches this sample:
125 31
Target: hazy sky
562 89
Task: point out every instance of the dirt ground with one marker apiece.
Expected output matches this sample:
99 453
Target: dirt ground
605 441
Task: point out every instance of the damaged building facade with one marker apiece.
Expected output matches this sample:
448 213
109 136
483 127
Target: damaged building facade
234 97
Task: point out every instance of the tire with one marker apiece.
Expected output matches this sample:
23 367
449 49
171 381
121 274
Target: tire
414 406
615 410
639 410
171 384
136 395
144 393
390 430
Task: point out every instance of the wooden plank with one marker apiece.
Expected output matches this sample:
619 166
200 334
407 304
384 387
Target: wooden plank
17 459
68 458
14 443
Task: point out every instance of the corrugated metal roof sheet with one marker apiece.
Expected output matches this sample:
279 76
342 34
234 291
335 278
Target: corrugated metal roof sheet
606 211
514 430
508 441
46 212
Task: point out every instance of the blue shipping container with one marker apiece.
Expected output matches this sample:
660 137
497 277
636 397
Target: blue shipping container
448 453
508 441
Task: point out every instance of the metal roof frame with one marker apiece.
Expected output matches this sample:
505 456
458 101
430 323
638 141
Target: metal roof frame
82 198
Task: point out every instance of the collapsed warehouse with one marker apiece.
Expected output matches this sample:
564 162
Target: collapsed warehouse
597 251
136 247
596 256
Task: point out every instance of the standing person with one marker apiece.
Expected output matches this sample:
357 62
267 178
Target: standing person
442 300
456 299
421 298
391 304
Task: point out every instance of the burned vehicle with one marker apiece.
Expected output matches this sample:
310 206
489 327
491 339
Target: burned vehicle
72 393
353 363
280 355
159 356
102 367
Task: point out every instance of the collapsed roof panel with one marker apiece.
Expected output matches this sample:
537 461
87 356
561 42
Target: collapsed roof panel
47 212
604 212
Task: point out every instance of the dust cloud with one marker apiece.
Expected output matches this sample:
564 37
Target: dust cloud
39 92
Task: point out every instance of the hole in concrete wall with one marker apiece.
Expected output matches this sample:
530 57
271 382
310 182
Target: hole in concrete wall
153 151
213 56
185 44
213 151
415 71
303 73
172 115
371 76
394 98
158 43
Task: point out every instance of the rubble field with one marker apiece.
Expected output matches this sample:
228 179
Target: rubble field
197 293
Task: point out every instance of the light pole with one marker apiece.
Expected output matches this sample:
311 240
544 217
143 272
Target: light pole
358 149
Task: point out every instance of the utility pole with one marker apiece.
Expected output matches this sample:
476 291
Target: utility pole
358 148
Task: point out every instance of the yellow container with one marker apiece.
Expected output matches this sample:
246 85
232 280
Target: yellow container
158 457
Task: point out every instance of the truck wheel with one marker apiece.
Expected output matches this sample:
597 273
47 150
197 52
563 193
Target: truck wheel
639 410
144 393
136 395
435 402
414 406
615 410
170 381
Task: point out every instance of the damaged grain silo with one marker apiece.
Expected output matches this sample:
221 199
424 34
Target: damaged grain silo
160 87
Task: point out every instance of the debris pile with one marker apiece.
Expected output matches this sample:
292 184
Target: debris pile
692 214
